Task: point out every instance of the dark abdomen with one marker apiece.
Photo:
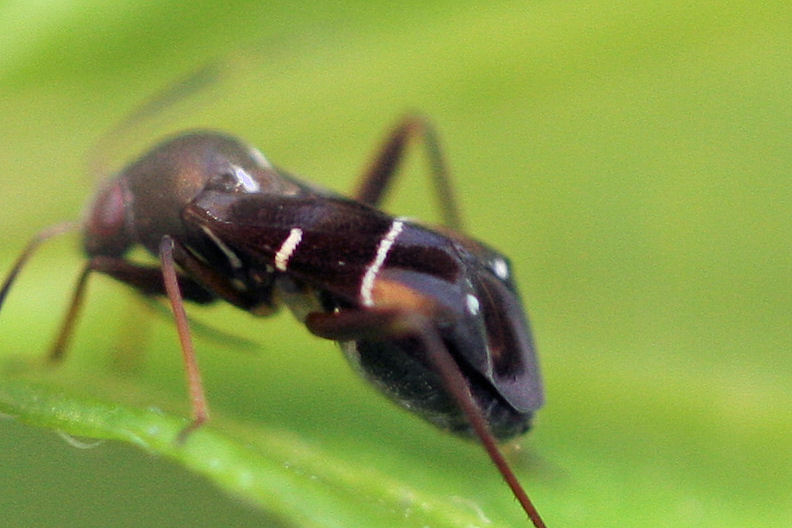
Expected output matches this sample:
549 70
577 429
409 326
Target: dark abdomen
409 380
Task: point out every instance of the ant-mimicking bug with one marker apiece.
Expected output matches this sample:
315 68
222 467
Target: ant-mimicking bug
430 316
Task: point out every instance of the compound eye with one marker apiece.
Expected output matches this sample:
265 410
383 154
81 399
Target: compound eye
106 230
233 179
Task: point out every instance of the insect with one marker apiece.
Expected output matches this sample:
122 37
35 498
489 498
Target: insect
429 315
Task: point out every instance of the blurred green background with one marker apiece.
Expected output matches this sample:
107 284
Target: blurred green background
630 157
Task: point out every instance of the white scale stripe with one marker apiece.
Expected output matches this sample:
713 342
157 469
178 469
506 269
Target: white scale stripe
230 255
287 248
367 284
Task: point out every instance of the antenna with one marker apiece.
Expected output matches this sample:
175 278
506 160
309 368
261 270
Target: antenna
174 92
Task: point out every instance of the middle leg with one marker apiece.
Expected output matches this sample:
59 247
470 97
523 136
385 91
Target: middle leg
378 176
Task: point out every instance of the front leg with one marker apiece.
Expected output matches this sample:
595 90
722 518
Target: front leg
194 384
160 281
145 279
393 323
171 253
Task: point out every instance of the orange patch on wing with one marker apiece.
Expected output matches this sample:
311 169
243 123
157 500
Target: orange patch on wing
393 294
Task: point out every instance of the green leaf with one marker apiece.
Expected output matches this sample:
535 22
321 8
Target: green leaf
299 483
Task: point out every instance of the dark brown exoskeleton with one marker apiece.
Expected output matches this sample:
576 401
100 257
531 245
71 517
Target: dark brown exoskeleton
430 316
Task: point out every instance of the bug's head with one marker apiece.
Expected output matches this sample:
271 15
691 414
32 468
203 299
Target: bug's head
144 201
